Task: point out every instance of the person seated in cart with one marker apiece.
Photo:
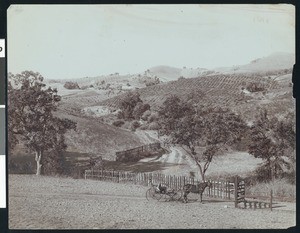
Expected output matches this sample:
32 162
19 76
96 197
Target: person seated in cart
162 188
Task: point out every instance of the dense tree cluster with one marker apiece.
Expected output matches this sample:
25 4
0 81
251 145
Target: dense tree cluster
273 140
132 107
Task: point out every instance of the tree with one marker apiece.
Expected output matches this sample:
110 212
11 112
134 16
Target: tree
128 104
272 140
71 85
30 116
139 109
190 126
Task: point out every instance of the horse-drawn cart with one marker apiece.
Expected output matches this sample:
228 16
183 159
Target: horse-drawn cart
163 192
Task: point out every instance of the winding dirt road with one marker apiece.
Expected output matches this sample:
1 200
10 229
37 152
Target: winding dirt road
178 162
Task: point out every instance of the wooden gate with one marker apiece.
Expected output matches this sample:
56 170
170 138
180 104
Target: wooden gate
239 191
239 197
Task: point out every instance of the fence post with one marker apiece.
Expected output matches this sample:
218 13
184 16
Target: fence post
236 191
228 189
271 199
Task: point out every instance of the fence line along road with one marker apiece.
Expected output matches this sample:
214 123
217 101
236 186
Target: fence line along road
121 155
220 188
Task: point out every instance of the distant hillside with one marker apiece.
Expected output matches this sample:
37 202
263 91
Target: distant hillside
221 90
122 83
273 62
165 73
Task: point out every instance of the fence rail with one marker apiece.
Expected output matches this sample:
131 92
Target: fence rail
220 188
137 150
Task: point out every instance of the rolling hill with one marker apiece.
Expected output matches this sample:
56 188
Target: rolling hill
221 90
226 89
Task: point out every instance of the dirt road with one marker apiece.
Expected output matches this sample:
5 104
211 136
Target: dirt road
65 203
178 162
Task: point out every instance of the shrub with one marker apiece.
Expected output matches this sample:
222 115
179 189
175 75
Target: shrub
146 115
153 117
281 189
255 87
139 109
135 125
153 126
144 127
71 85
262 174
118 123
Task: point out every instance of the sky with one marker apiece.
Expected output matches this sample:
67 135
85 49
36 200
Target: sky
73 41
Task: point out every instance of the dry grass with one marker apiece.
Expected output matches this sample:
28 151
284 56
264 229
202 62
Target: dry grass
282 190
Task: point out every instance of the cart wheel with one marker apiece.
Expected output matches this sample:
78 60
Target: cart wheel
178 195
152 194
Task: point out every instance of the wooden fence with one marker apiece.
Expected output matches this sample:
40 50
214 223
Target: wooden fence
220 188
123 155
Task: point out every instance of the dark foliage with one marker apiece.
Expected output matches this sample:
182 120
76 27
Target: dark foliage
71 85
31 119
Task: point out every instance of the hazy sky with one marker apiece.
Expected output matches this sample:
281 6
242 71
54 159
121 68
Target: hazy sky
72 41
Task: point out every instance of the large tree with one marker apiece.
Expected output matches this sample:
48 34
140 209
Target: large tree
201 131
30 116
274 141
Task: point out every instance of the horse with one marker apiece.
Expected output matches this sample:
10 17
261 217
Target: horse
195 188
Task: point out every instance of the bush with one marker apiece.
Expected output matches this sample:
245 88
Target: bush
153 117
71 85
54 163
144 127
139 109
255 87
290 177
135 125
153 126
118 123
21 165
146 115
262 174
281 189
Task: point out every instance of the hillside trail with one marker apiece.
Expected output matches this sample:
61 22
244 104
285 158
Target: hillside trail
175 162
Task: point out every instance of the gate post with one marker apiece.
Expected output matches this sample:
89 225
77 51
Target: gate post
236 183
271 199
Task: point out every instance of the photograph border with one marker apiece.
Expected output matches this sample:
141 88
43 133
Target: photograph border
4 5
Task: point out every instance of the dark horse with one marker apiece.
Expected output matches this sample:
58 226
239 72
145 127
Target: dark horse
195 188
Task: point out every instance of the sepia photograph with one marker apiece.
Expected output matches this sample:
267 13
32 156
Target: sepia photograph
151 116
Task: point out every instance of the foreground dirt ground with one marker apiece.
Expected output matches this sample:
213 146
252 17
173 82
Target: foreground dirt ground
65 203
